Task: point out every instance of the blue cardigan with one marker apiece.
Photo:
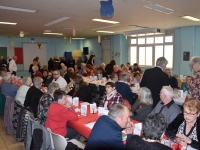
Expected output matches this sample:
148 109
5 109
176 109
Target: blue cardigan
125 91
106 135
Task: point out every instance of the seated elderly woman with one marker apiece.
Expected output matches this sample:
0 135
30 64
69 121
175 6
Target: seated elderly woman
21 92
185 86
153 131
114 78
112 96
88 71
143 105
124 89
186 127
83 68
36 72
45 102
81 90
7 88
33 95
70 85
59 113
104 73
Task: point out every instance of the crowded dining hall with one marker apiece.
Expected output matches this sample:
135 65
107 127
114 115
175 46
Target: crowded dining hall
99 75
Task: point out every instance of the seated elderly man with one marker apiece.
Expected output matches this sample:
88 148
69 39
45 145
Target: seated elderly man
167 106
60 80
21 92
7 88
33 95
45 102
123 88
116 70
107 131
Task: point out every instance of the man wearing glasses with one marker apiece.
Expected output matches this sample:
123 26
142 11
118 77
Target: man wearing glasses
57 78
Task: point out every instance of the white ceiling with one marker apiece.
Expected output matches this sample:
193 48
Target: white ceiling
82 11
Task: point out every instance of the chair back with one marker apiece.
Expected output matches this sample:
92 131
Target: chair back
126 103
93 89
2 103
8 114
60 143
102 91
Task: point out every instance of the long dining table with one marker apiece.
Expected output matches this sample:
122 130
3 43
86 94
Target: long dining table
80 124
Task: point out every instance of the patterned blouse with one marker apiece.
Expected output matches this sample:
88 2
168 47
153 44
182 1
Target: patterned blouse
117 98
43 107
193 132
194 87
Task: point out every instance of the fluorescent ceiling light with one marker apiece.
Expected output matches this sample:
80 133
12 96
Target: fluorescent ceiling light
105 21
78 38
133 35
106 27
70 29
54 33
141 35
56 21
190 18
10 23
106 31
18 9
159 8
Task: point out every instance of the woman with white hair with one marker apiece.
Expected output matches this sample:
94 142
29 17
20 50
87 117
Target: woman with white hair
143 105
193 92
36 72
33 95
21 92
83 68
104 73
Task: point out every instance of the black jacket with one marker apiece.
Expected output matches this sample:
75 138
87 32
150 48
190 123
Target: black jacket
154 79
173 128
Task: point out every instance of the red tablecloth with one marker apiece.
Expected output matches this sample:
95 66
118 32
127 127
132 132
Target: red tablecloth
80 127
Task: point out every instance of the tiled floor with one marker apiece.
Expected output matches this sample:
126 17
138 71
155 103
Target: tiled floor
8 142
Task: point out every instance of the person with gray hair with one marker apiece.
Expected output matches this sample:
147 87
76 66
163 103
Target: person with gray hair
36 72
193 92
21 92
107 131
143 105
33 95
83 68
116 70
167 106
7 88
45 102
155 78
124 89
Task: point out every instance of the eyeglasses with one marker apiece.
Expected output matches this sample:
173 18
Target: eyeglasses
189 114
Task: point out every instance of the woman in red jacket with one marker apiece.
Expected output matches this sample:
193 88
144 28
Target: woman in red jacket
59 113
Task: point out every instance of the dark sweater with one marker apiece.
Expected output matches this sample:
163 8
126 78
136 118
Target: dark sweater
137 143
173 128
173 82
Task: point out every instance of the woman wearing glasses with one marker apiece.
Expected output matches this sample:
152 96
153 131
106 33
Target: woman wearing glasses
186 127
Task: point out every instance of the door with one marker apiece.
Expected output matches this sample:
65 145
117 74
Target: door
106 51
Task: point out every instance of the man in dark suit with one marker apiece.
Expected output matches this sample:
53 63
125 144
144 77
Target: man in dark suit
155 79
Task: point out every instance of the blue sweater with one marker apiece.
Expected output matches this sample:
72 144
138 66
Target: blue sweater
9 89
106 135
125 91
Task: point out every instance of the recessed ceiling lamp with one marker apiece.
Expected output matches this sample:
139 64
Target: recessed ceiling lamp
190 18
18 9
54 33
71 29
56 21
106 31
159 8
10 23
138 26
78 38
105 21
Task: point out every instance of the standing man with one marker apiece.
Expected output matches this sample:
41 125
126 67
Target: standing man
155 78
13 66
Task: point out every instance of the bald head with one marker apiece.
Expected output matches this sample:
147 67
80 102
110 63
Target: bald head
115 68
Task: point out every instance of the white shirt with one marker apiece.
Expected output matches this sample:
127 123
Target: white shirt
12 66
21 93
136 81
61 81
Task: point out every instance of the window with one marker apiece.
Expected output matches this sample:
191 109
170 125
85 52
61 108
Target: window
147 49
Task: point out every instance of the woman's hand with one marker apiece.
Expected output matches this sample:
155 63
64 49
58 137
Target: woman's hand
183 140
